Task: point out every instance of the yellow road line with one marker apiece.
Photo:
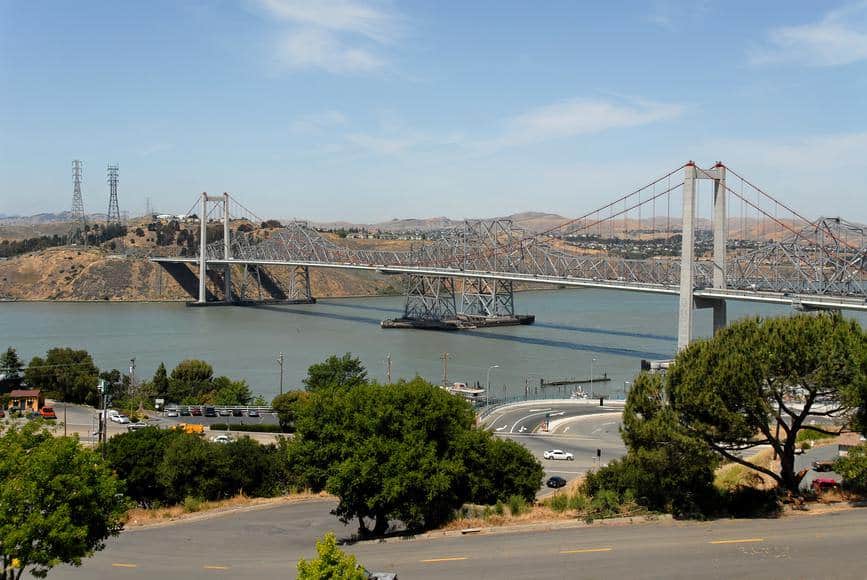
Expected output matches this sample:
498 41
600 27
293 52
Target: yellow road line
586 550
123 565
740 541
435 560
215 567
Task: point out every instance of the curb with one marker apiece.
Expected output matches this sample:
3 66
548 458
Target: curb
533 527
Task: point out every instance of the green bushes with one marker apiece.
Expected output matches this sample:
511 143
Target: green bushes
168 466
252 428
853 468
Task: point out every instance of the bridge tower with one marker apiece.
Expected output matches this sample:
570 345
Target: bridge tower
203 246
687 302
487 298
430 298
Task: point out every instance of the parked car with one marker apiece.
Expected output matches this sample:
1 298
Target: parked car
2 413
225 412
253 413
555 482
47 413
185 412
821 484
237 412
823 466
558 454
172 412
196 411
210 412
222 439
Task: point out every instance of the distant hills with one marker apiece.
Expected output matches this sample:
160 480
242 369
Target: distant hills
532 221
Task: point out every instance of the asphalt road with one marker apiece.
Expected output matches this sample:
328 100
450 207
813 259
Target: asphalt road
266 544
579 427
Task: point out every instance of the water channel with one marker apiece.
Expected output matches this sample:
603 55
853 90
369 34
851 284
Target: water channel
574 330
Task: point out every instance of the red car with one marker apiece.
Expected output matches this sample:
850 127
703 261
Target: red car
196 411
821 484
47 413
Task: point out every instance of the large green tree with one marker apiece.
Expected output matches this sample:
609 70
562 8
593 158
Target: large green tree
69 373
227 392
11 370
136 456
400 452
342 372
58 502
762 381
160 382
190 380
287 407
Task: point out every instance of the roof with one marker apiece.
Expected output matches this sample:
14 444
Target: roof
24 393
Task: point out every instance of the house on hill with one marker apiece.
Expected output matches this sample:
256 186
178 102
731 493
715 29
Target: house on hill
26 400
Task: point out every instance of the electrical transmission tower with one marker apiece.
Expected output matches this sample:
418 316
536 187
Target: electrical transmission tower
113 215
78 222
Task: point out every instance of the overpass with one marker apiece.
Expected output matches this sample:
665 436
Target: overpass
750 247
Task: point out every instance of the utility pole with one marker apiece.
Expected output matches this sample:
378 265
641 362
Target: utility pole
132 388
445 359
388 368
280 362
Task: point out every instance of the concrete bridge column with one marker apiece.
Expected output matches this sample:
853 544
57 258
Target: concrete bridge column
227 252
720 241
203 248
687 258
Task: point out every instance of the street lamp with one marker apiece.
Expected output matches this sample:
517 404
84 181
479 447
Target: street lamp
592 360
488 384
625 383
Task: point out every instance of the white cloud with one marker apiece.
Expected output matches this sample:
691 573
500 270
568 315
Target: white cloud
338 36
579 117
308 48
318 122
839 38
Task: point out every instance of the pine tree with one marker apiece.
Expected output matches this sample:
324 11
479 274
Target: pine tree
11 371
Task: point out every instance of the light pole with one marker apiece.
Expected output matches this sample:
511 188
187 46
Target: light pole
625 384
280 362
592 360
488 384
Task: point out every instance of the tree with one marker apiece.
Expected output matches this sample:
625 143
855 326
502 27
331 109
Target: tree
190 380
387 451
342 372
11 374
227 392
135 457
497 469
665 468
160 382
853 468
331 563
59 502
193 467
287 408
759 382
68 373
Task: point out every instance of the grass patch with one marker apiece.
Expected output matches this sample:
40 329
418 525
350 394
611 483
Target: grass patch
808 435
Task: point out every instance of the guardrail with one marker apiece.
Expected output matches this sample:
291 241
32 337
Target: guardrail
218 408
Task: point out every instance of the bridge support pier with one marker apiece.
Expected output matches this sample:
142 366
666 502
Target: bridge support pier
299 286
490 303
719 311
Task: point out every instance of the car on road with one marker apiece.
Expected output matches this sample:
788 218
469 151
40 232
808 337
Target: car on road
822 484
555 482
120 418
822 466
558 454
253 413
136 426
380 575
222 439
47 413
237 413
225 412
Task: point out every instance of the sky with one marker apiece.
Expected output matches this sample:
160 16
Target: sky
368 110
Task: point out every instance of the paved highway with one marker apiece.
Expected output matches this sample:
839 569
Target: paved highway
266 543
579 427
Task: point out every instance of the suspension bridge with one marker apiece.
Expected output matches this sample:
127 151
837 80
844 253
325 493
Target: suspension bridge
704 235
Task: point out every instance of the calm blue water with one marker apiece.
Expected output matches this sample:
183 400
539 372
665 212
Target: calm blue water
573 327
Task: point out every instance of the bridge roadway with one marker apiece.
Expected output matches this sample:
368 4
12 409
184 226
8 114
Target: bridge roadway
266 543
816 301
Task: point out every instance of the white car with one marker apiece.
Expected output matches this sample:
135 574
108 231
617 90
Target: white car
558 454
171 412
222 439
122 419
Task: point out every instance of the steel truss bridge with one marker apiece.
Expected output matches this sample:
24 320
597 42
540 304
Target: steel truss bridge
749 247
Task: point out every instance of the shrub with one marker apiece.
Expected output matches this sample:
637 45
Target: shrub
807 434
559 502
517 505
606 503
853 468
579 502
192 504
499 508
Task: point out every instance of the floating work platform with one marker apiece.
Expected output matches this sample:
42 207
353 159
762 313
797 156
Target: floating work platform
460 323
563 382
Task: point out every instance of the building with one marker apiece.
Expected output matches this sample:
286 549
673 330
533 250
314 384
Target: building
26 400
